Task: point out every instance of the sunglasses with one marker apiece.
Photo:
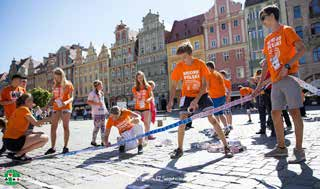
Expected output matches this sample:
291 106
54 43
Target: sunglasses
263 17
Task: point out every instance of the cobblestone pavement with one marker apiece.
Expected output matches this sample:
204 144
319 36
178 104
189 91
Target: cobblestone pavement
154 169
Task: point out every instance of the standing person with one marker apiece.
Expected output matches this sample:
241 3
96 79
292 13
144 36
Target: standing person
217 92
99 111
283 48
228 85
163 103
129 126
153 106
10 94
193 74
84 113
15 138
143 95
246 91
62 107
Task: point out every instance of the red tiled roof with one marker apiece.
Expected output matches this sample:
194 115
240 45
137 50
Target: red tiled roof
186 28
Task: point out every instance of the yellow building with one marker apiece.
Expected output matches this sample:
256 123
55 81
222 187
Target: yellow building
190 30
89 67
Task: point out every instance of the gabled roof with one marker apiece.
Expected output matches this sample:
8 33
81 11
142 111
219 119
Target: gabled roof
186 28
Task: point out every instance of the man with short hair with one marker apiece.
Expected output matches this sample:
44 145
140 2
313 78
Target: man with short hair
193 74
283 48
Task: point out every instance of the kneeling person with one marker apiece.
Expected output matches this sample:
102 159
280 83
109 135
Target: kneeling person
129 126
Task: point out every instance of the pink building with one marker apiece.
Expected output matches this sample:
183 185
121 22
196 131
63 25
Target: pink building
224 30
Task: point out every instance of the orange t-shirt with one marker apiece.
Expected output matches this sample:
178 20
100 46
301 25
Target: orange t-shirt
141 97
216 85
123 123
11 93
62 94
191 76
245 91
227 82
17 124
279 48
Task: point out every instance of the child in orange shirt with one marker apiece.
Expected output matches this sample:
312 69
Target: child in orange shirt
129 126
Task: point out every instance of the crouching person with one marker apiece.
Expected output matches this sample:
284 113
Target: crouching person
15 137
129 125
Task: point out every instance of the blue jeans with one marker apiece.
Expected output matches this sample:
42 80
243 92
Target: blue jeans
219 102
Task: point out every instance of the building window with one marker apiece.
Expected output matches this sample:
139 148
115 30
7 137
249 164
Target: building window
213 44
225 56
196 45
222 9
239 54
297 12
173 51
315 28
225 41
316 54
260 33
223 26
254 34
235 23
240 72
237 38
212 57
211 29
302 60
314 8
299 31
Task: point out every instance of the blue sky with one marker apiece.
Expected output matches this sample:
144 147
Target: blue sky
37 27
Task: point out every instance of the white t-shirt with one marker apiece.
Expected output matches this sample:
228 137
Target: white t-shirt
97 110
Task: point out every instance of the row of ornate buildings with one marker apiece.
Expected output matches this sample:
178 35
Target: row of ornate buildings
229 34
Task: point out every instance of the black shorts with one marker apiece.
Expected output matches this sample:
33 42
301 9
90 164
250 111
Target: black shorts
141 111
14 145
205 102
248 105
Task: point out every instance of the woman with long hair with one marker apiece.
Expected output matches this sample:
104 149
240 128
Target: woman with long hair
99 111
143 95
62 107
15 136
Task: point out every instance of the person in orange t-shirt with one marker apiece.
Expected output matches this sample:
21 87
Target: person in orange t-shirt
283 48
228 85
62 107
246 91
217 92
193 74
10 94
15 137
129 126
143 96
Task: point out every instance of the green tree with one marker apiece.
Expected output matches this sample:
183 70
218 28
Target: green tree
41 96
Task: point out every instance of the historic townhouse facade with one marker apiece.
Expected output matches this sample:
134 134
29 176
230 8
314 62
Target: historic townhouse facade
226 41
123 65
152 56
190 30
65 60
304 16
88 66
256 32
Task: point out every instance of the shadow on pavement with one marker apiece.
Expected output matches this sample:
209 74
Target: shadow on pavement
269 142
169 176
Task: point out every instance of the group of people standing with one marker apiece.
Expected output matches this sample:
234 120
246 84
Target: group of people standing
203 88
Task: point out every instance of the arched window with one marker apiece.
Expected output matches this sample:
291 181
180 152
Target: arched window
314 8
316 54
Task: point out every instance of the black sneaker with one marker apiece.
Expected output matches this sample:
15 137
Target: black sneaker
65 150
177 153
261 132
11 155
249 121
23 158
121 149
227 152
94 144
50 151
140 149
